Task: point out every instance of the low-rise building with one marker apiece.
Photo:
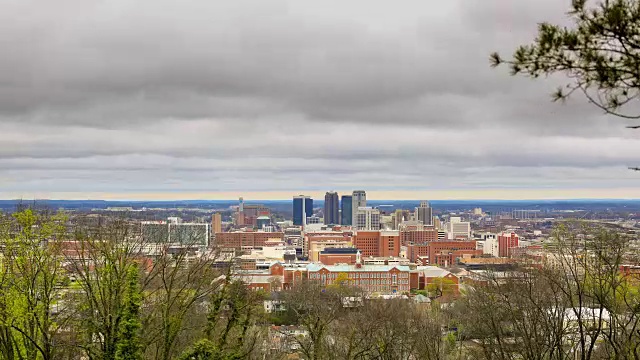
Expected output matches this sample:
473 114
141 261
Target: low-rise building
383 279
246 239
332 256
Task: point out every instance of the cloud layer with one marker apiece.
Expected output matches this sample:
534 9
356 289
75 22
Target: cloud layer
124 97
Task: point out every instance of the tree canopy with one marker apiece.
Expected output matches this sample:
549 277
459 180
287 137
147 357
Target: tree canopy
599 54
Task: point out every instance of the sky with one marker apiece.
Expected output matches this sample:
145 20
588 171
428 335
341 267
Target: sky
266 99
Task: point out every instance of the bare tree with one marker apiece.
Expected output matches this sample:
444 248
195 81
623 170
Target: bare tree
177 287
316 309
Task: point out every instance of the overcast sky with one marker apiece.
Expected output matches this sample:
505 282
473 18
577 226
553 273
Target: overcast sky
154 99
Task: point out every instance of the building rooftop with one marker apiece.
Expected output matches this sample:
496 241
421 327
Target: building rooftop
433 271
363 268
339 251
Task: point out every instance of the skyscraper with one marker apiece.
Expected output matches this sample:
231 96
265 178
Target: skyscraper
359 200
424 213
346 207
302 209
331 213
216 223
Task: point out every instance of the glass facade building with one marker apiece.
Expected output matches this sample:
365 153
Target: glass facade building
331 206
346 208
302 209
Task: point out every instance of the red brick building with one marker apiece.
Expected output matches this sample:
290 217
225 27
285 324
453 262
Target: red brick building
332 256
507 242
418 236
377 243
249 215
383 279
278 277
442 253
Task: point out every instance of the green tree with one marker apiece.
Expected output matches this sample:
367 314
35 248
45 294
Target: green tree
599 54
32 316
207 350
441 287
128 347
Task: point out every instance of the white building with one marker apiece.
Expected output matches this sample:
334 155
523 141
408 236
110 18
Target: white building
458 228
314 220
490 245
367 218
158 235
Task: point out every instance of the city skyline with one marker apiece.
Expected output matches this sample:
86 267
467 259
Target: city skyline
365 94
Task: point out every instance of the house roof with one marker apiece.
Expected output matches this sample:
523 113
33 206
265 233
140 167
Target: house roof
433 271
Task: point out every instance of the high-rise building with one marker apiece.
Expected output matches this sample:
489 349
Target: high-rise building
424 213
359 200
367 218
491 245
331 206
506 243
302 209
216 223
456 228
346 208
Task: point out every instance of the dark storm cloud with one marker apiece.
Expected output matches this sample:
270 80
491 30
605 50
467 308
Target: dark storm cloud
165 95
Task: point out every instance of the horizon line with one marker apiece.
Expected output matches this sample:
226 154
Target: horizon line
319 199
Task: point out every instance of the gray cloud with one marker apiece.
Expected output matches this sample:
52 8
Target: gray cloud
161 96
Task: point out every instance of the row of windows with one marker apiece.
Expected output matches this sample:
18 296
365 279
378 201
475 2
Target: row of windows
360 276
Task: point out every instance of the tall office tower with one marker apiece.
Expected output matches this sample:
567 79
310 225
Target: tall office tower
216 223
346 207
331 206
241 205
424 213
302 209
359 200
367 218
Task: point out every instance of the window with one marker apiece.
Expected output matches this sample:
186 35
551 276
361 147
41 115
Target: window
394 279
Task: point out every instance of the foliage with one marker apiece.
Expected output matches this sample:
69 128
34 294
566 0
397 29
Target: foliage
600 54
207 350
576 306
95 301
30 274
128 347
441 287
